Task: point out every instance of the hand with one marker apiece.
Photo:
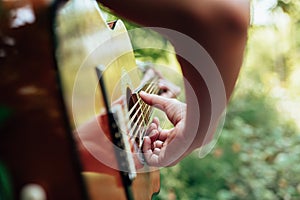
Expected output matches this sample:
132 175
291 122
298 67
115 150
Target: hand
160 146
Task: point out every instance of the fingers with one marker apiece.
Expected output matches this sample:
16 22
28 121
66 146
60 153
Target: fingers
153 127
155 123
154 100
153 130
174 109
151 154
147 144
154 146
163 135
158 144
156 151
159 102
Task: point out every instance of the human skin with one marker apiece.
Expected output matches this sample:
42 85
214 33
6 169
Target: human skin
220 27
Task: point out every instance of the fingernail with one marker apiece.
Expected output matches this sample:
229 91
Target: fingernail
147 138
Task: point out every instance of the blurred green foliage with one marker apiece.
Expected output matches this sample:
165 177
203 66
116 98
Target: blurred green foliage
6 192
5 113
258 153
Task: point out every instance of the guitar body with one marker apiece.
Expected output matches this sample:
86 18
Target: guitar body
103 186
85 41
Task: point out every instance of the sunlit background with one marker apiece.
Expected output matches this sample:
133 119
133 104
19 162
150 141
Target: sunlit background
258 153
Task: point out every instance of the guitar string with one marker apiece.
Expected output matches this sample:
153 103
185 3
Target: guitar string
146 123
151 88
146 90
143 132
138 102
132 119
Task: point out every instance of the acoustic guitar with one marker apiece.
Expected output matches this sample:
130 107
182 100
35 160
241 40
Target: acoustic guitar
41 118
101 85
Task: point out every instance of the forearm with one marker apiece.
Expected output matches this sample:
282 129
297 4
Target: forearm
224 39
220 27
217 25
146 13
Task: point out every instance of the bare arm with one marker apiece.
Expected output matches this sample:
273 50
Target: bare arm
219 26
